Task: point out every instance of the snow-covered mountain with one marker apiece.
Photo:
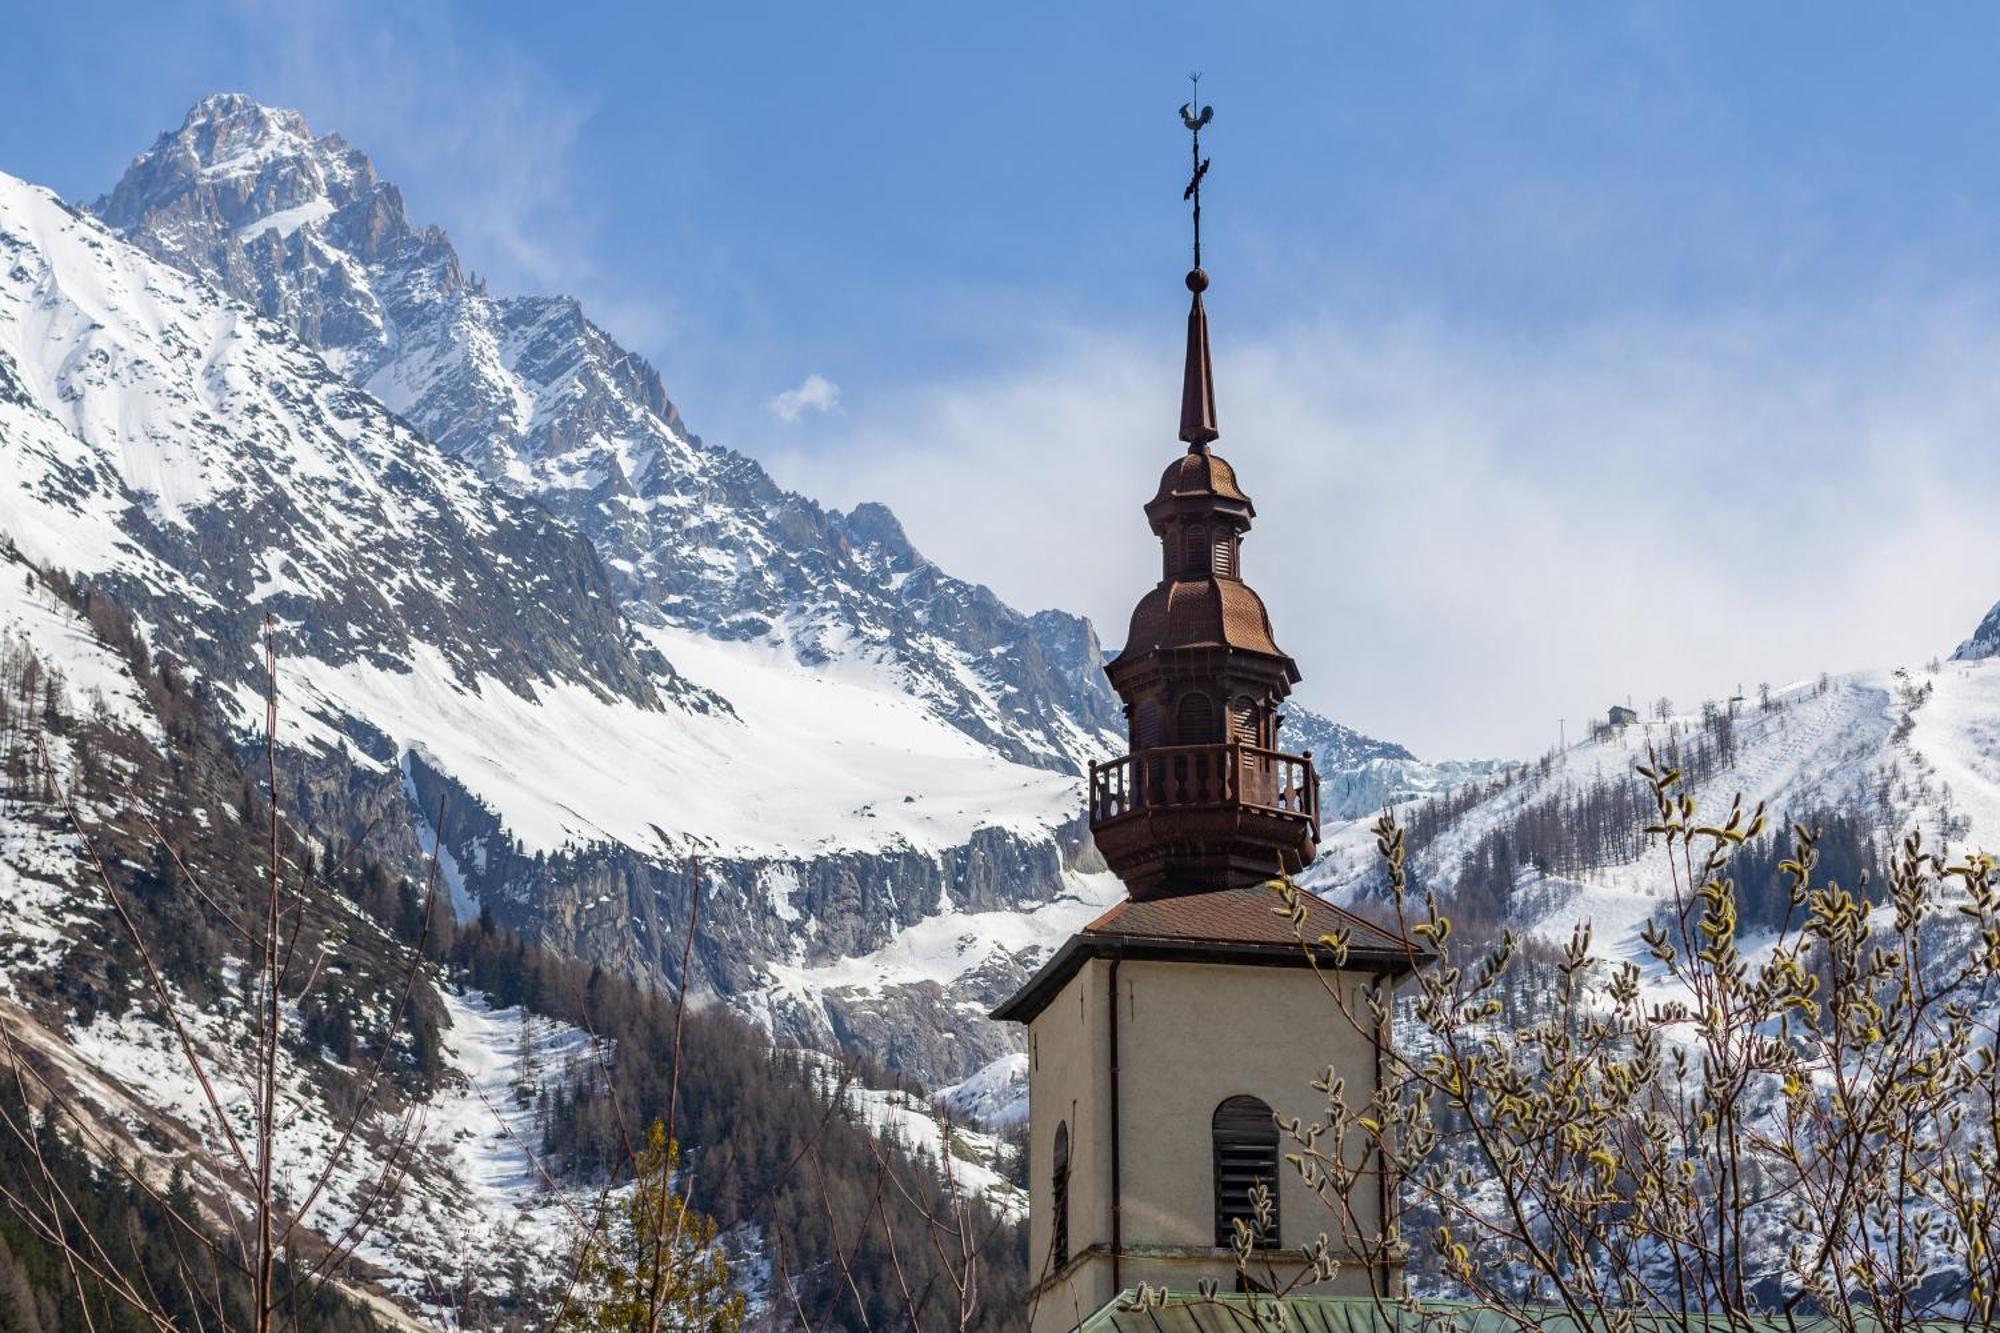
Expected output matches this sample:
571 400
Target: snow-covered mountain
1360 775
877 762
482 1208
214 471
439 633
1557 842
535 395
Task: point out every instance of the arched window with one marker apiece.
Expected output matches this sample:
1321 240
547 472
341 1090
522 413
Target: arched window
1243 728
1225 556
1195 720
1246 1156
1059 1200
1196 565
1146 725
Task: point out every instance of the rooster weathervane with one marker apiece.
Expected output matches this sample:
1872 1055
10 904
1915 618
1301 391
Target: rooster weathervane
1194 120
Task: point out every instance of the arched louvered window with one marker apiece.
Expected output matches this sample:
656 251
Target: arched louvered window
1059 1200
1246 1156
1225 556
1146 725
1195 720
1243 728
1196 565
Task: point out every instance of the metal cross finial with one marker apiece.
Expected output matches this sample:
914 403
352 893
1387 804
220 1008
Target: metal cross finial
1194 121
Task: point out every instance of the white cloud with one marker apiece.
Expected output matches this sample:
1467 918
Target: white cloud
815 393
1464 536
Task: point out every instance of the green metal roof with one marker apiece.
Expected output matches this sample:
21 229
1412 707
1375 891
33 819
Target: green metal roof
1361 1314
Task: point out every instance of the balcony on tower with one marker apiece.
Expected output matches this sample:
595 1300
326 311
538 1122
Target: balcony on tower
1182 818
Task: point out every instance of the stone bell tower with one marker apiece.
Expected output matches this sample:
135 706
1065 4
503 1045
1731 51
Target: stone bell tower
1168 1039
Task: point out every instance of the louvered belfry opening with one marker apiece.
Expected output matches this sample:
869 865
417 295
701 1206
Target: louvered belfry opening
1218 804
1243 728
1196 723
1246 1155
1059 1201
1197 557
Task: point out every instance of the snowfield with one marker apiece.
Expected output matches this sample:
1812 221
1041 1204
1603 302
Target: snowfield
1831 746
944 947
810 761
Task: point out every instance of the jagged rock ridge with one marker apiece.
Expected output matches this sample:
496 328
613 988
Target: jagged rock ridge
530 391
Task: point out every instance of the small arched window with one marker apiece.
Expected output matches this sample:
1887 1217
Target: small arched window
1196 564
1243 728
1059 1200
1225 556
1195 720
1246 1156
1146 725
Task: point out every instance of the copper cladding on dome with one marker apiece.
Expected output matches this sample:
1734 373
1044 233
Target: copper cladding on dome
1198 479
1210 613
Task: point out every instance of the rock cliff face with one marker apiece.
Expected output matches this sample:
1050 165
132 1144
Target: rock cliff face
897 952
1985 640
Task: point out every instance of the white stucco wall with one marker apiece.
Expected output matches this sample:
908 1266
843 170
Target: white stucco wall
1190 1035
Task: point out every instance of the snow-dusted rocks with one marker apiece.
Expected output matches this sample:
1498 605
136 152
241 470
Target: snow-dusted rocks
535 395
211 470
1985 641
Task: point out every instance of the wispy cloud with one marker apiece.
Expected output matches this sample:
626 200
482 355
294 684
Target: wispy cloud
1464 537
815 393
480 135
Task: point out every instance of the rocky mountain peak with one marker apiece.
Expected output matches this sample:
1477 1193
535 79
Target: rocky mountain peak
873 523
1985 641
243 160
231 132
534 394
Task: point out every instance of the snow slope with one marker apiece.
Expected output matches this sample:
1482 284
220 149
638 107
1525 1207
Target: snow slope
145 403
1909 749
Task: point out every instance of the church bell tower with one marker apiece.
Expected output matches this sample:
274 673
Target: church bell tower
1205 798
1170 1038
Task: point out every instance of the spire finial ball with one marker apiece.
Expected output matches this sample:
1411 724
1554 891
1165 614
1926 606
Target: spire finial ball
1197 281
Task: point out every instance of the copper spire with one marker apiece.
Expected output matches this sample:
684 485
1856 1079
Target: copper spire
1197 379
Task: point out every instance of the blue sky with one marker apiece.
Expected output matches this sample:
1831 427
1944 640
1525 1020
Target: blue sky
1572 351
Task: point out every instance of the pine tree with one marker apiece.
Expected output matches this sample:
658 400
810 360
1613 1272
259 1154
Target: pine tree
660 1267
